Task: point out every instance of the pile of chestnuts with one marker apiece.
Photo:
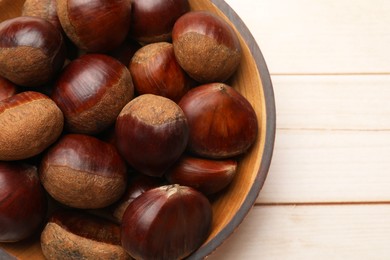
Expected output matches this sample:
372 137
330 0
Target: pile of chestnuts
117 126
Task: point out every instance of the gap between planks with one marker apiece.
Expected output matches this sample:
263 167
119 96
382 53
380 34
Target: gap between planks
384 73
323 203
334 129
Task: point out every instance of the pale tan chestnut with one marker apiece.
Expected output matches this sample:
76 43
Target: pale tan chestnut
76 235
29 123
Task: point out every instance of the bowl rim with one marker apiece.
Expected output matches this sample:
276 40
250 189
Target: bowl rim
270 131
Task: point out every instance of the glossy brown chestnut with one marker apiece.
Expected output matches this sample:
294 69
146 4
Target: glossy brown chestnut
45 9
151 133
95 25
137 185
91 91
154 70
29 123
77 235
205 175
81 171
7 88
222 122
206 46
168 222
23 202
152 21
32 51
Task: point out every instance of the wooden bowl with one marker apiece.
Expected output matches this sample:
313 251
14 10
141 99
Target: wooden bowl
253 80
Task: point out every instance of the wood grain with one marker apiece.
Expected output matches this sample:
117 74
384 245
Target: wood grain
311 166
356 232
334 102
320 37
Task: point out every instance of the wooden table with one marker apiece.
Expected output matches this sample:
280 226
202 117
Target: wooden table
327 195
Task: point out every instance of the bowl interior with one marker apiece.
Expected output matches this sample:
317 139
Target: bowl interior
253 81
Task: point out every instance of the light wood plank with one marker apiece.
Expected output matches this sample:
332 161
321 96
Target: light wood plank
328 166
324 36
310 232
333 102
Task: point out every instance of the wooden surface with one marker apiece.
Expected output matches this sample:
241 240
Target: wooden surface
327 195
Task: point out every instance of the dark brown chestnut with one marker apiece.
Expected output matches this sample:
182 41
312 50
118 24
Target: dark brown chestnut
152 21
222 122
29 123
78 235
151 133
81 171
205 175
23 202
32 51
7 88
91 91
137 185
154 70
206 46
95 25
167 222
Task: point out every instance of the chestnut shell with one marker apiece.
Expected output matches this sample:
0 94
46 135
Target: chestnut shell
205 175
77 235
206 46
81 171
23 202
95 25
91 91
154 70
222 122
32 51
151 133
168 222
29 123
153 20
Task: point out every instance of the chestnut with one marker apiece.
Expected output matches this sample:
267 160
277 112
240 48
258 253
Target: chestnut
151 133
91 91
206 46
154 70
45 9
167 222
222 122
205 175
29 123
95 25
23 202
32 51
81 171
78 235
7 88
152 21
137 185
